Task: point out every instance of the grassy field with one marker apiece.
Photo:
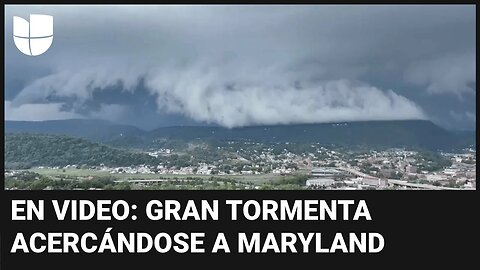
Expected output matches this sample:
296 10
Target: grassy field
84 173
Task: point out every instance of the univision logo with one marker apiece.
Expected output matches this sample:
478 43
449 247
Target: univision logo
33 38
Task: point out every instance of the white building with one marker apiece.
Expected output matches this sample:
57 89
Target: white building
320 182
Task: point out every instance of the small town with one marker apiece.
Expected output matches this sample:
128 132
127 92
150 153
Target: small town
252 165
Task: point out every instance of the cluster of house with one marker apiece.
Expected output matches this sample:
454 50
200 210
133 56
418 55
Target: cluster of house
460 175
379 169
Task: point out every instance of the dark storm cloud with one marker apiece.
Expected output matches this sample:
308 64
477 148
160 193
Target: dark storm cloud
247 65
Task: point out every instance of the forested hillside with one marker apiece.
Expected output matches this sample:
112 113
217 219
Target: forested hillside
26 150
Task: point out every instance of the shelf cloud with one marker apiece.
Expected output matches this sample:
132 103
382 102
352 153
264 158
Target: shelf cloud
247 65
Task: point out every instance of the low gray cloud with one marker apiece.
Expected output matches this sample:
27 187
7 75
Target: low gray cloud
221 95
37 112
455 74
216 96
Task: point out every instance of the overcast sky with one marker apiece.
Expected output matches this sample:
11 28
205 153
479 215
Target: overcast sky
234 66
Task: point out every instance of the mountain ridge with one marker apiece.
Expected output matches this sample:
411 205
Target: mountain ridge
393 133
